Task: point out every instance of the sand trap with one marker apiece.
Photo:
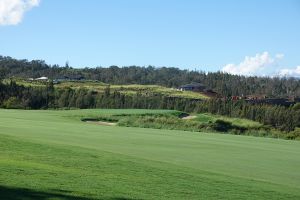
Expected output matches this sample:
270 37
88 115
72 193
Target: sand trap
189 117
101 123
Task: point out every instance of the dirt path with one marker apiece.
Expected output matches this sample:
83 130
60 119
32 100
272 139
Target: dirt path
189 117
102 123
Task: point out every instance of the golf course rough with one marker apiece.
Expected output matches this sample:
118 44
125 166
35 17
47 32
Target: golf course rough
53 154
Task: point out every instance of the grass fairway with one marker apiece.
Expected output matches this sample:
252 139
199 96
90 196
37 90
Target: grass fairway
52 154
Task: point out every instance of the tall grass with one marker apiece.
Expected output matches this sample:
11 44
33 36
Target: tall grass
202 123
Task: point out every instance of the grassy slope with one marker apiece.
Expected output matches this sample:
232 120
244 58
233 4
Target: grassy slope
126 89
206 117
52 153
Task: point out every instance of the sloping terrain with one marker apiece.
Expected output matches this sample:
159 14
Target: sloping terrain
130 89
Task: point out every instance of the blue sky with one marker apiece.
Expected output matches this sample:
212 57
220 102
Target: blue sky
205 35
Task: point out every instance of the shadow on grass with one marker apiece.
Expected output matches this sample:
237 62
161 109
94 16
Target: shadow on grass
13 193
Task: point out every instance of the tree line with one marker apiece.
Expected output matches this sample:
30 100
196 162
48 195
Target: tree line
280 117
222 83
285 119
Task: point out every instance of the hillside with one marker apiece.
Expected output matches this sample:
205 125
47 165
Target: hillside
280 121
222 83
130 90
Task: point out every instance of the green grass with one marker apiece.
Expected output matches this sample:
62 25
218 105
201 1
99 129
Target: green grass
207 117
53 154
199 123
125 89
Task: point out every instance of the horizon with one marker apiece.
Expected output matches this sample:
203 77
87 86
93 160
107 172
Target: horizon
253 38
156 67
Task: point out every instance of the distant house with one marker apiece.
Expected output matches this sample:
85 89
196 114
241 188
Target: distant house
69 78
196 87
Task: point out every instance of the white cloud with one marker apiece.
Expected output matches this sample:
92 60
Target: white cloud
261 65
279 56
256 65
290 72
12 11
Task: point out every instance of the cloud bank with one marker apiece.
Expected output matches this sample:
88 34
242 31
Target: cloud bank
290 72
255 65
12 11
262 64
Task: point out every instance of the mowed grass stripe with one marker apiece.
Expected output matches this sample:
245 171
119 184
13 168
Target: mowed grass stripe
84 171
72 137
237 164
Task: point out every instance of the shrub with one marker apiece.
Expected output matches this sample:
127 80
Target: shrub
12 103
221 125
294 134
